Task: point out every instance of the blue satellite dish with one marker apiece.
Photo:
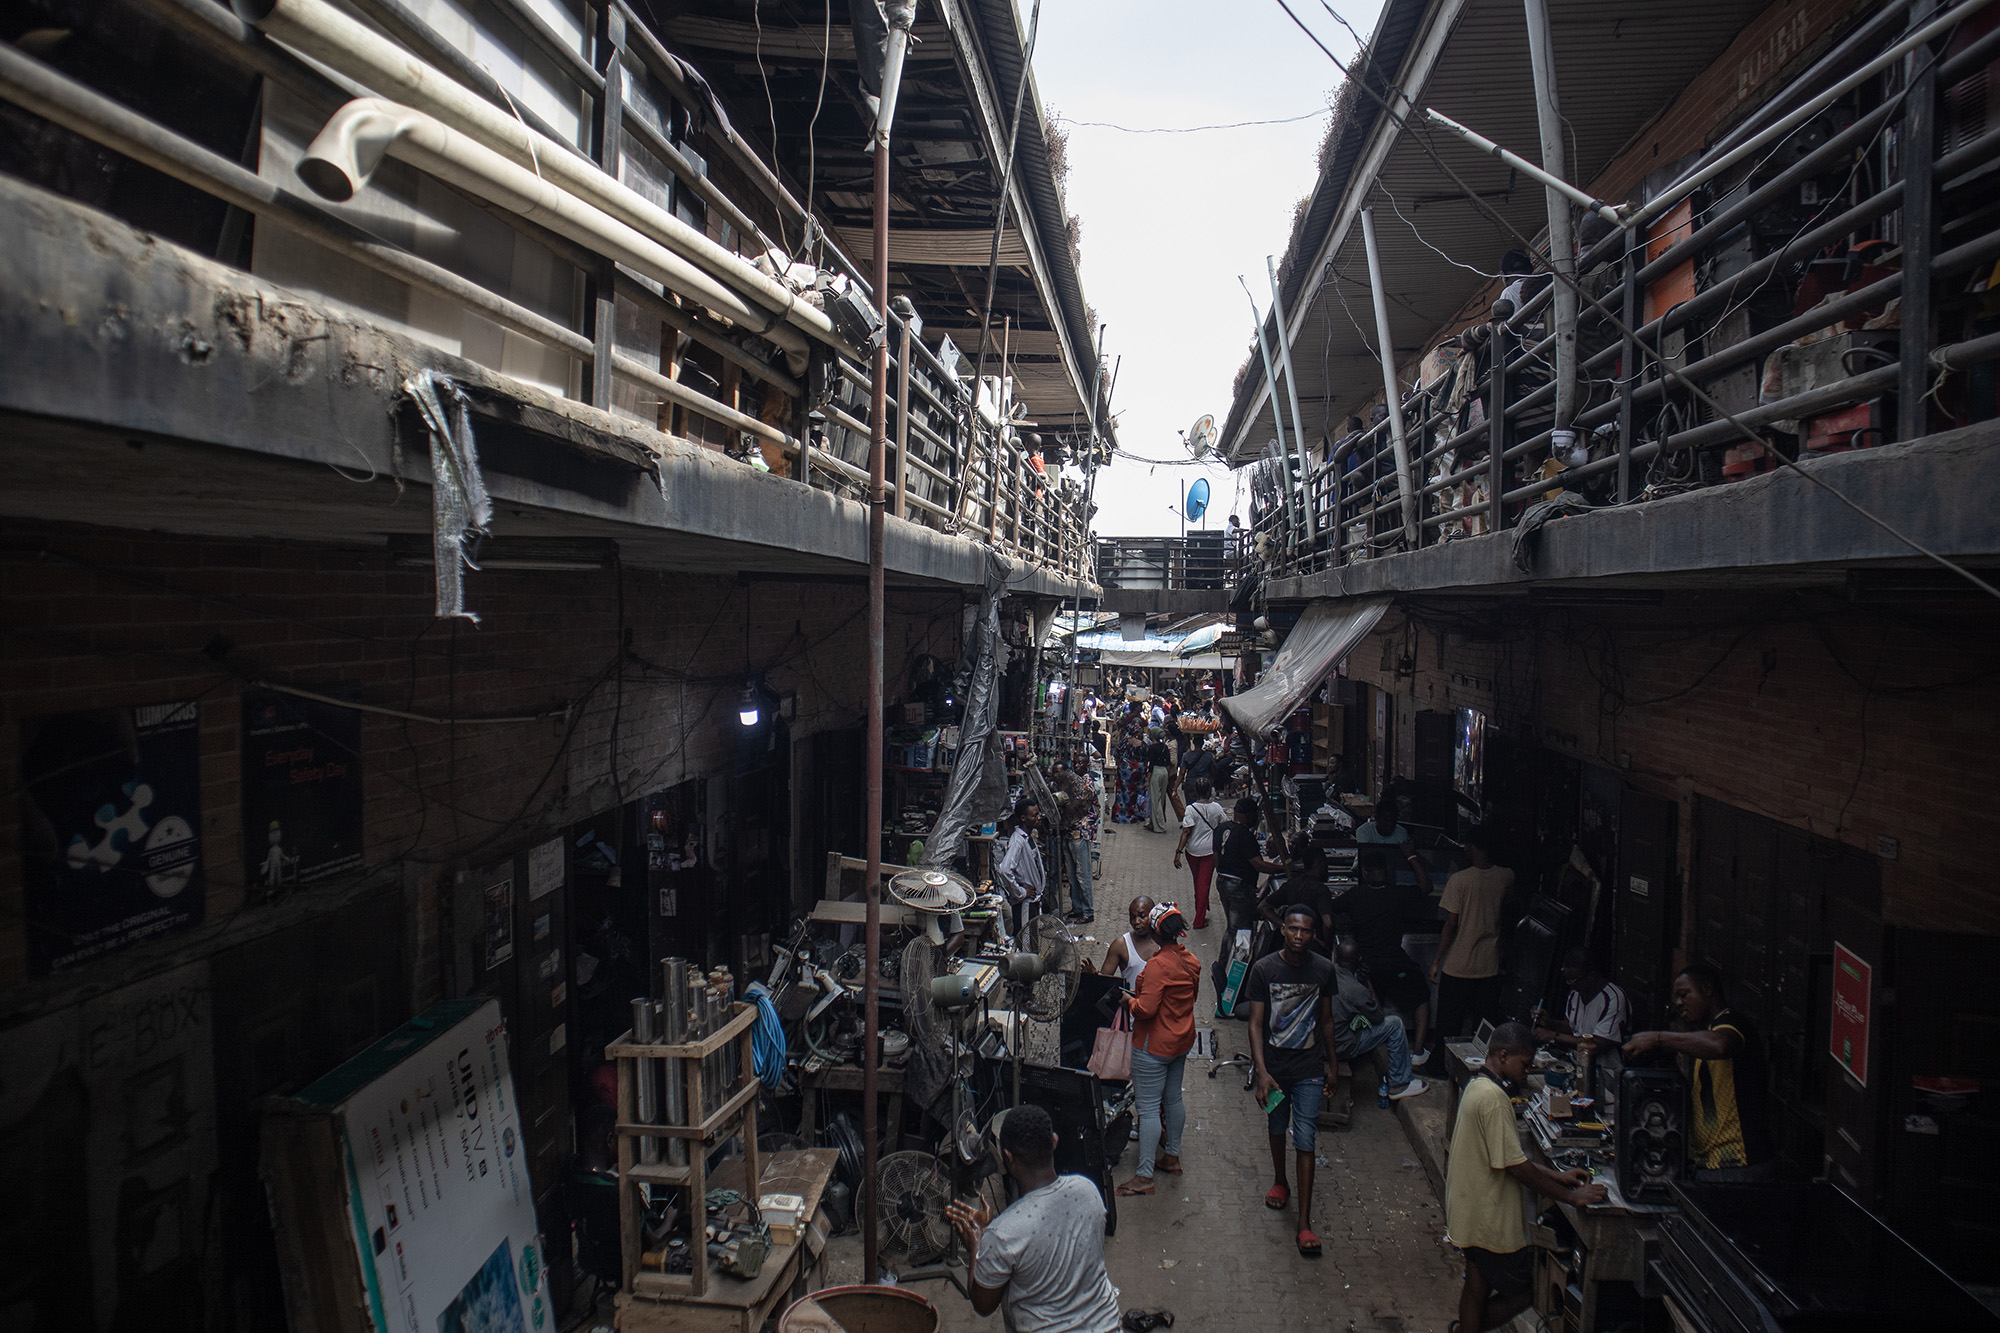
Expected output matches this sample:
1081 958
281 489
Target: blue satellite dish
1197 499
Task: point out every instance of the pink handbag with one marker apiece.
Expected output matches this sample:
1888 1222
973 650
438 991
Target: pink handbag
1111 1055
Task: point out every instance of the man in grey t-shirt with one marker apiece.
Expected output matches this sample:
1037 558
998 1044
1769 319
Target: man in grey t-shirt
1041 1262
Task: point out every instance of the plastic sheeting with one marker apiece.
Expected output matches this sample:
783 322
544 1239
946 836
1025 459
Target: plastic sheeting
978 788
1166 660
1326 633
460 508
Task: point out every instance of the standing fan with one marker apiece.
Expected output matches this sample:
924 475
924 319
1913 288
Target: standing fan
910 1195
1051 994
938 894
933 1053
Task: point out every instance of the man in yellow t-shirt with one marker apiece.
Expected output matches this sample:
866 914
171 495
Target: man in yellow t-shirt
1486 1182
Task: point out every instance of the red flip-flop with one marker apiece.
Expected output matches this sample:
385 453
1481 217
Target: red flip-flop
1308 1245
1279 1196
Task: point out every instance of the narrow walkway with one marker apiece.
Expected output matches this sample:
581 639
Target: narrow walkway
1205 1246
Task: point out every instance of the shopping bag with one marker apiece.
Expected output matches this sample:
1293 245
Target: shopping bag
1111 1055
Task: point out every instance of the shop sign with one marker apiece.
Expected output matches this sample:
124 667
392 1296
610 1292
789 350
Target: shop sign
111 829
1853 985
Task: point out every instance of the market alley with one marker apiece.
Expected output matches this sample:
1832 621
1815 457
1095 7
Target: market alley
1204 1246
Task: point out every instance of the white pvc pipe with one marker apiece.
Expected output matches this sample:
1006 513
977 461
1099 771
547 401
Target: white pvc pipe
1562 238
318 30
347 151
1292 394
1391 390
1521 164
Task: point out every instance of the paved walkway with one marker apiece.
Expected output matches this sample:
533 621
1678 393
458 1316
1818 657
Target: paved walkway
1205 1246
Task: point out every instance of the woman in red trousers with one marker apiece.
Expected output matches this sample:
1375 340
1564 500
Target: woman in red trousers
1201 827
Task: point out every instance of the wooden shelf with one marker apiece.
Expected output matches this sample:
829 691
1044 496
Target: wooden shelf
708 1129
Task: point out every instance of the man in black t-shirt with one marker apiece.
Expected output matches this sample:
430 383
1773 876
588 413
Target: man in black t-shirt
1375 909
1304 884
1291 1045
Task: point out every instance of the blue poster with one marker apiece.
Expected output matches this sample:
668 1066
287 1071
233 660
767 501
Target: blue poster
110 829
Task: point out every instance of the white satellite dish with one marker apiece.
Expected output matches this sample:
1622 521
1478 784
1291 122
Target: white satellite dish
1200 438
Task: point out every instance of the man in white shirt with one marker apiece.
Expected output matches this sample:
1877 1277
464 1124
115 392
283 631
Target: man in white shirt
1021 873
1040 1263
1596 1010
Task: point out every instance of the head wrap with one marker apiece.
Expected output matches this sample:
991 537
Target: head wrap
1160 912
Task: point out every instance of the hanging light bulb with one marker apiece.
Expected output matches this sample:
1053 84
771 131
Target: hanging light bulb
748 710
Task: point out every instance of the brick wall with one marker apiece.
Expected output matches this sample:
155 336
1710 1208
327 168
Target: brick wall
98 618
1851 723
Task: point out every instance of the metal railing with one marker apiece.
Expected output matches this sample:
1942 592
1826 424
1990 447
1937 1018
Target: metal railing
948 468
1200 561
1639 432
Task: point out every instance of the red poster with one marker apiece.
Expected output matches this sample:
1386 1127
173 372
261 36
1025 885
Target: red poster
1853 984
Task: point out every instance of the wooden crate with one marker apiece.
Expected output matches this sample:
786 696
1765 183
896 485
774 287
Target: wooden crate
735 1117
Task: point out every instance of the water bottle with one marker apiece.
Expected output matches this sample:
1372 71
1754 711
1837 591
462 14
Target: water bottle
1382 1094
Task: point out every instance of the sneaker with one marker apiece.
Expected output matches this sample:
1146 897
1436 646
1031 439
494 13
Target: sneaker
1416 1087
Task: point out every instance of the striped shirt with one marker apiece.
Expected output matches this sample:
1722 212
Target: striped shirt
1605 1014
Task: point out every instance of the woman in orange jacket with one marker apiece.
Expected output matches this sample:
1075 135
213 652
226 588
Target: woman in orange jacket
1162 1009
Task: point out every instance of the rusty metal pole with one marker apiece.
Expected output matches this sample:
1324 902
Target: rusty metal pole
871 892
901 16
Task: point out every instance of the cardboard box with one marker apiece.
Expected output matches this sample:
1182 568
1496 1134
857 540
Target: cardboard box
399 1186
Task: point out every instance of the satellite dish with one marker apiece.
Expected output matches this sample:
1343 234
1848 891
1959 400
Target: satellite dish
1200 439
1197 499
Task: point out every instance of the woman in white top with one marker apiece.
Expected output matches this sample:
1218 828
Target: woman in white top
1199 827
1129 953
1020 872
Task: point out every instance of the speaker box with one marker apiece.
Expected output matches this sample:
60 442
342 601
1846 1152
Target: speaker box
1652 1133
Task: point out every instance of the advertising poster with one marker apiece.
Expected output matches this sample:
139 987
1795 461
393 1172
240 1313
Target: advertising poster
1853 992
110 829
498 924
443 1197
301 790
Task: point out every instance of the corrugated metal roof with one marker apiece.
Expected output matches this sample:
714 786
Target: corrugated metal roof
1617 64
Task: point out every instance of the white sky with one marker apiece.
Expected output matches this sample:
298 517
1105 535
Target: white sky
1170 220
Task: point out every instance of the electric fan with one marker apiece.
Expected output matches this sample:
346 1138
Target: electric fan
911 1193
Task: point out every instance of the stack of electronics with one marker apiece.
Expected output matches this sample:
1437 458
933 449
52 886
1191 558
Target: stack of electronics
1780 1257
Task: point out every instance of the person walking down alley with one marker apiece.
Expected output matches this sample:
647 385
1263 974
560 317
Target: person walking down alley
1130 952
1727 1082
1159 770
1467 966
1239 864
1487 1176
1079 826
1162 1009
1291 1048
1041 1262
1200 825
1021 873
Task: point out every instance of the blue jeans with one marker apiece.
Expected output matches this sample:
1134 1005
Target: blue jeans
1080 899
1156 1087
1300 1109
1388 1033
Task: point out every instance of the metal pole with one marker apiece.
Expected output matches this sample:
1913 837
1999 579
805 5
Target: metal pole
1277 417
1562 239
1390 388
1292 395
1916 231
907 312
1609 212
901 16
1496 421
993 259
1635 255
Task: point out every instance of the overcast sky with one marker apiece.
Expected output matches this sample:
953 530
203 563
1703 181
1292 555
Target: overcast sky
1170 220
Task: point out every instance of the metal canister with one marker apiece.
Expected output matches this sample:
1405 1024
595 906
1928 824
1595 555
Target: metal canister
643 1073
673 1032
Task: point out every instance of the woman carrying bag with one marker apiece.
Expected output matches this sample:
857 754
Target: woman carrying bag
1162 1010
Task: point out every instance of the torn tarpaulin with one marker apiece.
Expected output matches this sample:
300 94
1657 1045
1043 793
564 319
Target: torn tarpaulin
978 787
460 507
